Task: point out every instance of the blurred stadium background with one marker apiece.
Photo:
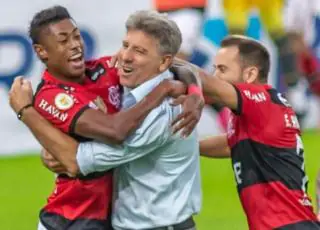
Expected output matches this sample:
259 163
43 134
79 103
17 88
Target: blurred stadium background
25 184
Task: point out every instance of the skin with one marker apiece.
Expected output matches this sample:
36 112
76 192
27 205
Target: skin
139 53
59 44
228 71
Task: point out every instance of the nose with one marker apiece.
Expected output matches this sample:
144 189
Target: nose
75 43
127 55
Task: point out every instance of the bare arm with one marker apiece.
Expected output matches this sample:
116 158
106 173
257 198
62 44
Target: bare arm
116 127
219 90
61 146
215 147
183 72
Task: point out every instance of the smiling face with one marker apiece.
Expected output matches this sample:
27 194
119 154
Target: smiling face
140 59
227 65
61 49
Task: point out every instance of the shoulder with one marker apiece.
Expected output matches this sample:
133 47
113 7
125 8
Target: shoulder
97 68
103 61
47 90
252 92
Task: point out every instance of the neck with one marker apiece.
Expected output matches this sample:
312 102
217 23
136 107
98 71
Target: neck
64 78
258 82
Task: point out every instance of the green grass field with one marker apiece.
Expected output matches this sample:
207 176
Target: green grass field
25 185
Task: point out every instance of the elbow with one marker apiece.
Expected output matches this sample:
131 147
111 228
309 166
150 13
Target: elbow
121 131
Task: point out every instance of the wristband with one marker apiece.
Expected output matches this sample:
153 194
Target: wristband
20 113
194 89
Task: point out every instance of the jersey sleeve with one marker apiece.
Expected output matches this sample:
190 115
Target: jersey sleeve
61 108
253 102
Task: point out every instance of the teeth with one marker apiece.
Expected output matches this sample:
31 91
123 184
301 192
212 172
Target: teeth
127 69
76 56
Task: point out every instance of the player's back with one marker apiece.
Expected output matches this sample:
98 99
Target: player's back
268 162
83 202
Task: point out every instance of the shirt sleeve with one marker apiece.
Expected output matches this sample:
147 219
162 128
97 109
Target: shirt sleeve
152 134
60 108
253 102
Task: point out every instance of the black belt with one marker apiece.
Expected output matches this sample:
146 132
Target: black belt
188 223
90 176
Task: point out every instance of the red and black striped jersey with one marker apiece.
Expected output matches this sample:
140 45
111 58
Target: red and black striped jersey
83 202
268 162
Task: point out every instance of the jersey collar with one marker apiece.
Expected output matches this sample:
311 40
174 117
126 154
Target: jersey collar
50 78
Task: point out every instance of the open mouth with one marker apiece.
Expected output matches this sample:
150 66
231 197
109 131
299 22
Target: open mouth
127 70
77 60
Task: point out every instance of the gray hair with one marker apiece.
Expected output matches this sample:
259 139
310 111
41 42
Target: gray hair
158 26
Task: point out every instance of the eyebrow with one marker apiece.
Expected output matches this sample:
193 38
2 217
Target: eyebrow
140 48
220 66
135 46
66 33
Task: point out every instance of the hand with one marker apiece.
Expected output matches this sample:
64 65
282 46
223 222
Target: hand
177 88
189 118
51 163
100 104
20 94
114 60
171 88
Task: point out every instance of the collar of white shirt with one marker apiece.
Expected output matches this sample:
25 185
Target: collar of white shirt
142 90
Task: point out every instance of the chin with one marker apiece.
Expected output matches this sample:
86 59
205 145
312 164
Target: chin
126 82
76 74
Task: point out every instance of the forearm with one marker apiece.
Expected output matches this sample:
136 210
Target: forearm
93 156
213 88
209 85
61 146
218 90
114 128
187 79
129 120
215 147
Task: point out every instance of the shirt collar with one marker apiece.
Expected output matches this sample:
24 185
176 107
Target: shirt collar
267 86
142 90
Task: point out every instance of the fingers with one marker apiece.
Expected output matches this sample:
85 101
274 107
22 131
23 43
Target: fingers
183 122
45 155
16 84
114 60
187 130
178 101
26 84
19 82
178 118
50 162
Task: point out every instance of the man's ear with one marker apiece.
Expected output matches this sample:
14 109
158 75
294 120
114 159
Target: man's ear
41 52
165 62
251 74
